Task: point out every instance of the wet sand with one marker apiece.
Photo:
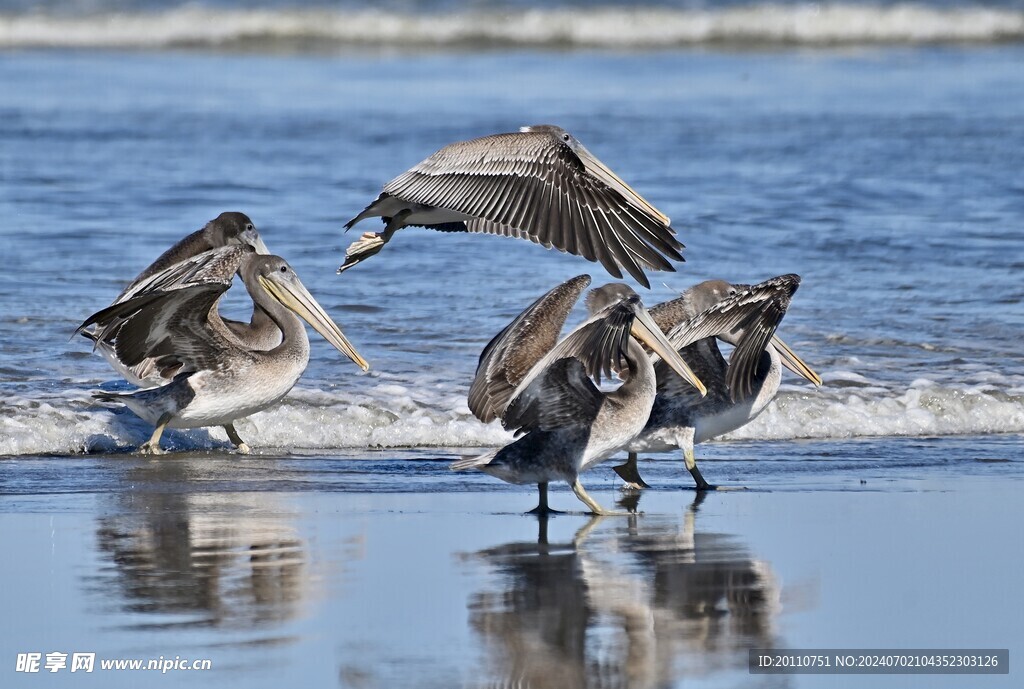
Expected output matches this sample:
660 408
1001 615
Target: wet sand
387 570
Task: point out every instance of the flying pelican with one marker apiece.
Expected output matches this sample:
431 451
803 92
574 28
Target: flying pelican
227 229
540 184
545 390
741 315
215 379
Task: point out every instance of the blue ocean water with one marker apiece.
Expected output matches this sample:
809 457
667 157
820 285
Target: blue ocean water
888 177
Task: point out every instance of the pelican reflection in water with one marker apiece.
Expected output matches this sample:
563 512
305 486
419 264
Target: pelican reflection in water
212 377
547 391
744 316
641 604
539 184
227 229
188 558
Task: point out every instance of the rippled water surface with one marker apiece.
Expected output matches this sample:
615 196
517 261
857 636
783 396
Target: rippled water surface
889 179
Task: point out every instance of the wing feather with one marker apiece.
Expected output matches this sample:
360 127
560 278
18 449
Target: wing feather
165 321
599 344
533 185
756 312
563 397
513 352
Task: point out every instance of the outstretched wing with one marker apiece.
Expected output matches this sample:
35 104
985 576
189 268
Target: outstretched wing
533 184
562 396
706 361
753 315
510 355
168 317
188 247
599 345
215 265
174 330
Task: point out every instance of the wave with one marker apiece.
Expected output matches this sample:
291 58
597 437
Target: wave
389 416
604 28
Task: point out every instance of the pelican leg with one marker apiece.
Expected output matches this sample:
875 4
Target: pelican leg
542 508
372 242
595 508
152 446
629 473
235 439
691 466
685 441
702 485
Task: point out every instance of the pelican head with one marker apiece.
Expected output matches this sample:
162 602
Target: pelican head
278 279
603 300
706 294
594 165
235 228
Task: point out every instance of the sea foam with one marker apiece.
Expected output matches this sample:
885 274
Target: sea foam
391 416
611 27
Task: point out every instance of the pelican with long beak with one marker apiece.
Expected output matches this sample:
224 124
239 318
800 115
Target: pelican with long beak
549 392
745 316
540 184
212 378
227 229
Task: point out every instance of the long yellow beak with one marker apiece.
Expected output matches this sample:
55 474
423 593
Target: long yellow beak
297 298
647 331
601 171
794 363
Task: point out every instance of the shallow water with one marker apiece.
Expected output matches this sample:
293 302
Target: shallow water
357 572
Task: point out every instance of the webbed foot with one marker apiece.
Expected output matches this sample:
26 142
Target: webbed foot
630 473
361 249
543 511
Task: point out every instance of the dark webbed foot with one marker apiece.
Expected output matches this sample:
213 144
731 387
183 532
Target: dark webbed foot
630 473
543 511
702 485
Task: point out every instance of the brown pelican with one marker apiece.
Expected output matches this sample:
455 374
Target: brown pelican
172 318
741 315
227 229
545 389
540 184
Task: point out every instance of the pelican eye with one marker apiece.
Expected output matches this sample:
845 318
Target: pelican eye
635 299
284 269
249 227
565 137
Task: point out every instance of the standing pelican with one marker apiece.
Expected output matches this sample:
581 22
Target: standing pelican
227 229
741 315
545 390
540 184
215 379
